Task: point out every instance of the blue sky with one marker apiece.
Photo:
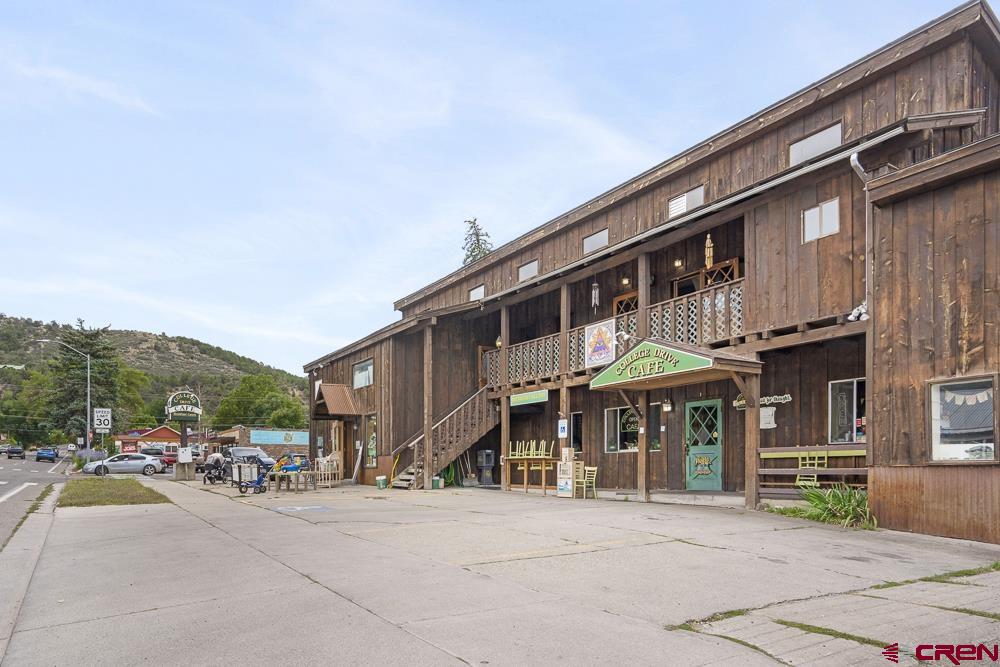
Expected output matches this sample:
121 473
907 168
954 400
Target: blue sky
269 177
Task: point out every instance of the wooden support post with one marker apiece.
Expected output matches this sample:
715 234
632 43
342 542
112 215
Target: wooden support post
642 324
564 322
504 399
642 470
752 438
428 406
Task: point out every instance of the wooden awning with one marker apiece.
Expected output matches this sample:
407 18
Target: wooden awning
335 400
654 363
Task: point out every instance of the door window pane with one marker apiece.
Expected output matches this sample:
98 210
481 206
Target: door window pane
962 421
847 420
371 442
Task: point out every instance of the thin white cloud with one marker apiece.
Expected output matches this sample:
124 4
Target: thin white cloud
80 84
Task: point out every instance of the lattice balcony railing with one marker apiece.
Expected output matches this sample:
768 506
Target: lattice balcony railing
702 317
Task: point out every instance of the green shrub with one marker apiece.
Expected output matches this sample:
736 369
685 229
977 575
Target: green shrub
841 504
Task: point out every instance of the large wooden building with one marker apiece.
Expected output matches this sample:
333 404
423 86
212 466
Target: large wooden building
816 286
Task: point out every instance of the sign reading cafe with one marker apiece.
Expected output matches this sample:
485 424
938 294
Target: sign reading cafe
649 360
183 406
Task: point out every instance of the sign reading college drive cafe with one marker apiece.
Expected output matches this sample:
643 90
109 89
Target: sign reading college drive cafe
646 361
183 406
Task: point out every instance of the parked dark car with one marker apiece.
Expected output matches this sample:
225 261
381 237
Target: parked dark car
167 458
46 454
15 452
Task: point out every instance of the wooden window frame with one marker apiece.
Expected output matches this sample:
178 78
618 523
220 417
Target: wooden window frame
929 419
641 425
538 269
789 144
819 207
829 410
684 195
364 442
634 294
607 241
363 361
572 430
481 286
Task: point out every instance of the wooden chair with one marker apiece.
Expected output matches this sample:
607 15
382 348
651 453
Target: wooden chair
811 461
589 481
542 453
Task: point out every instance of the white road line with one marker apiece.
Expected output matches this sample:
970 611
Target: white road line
3 481
11 494
16 469
58 463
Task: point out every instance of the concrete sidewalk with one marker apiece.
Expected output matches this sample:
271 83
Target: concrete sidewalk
356 575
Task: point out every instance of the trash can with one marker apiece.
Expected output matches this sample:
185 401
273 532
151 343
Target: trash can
381 482
437 483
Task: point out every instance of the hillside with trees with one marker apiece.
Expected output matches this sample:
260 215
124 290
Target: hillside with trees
43 385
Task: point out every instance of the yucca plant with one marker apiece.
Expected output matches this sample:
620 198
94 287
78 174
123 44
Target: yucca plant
841 504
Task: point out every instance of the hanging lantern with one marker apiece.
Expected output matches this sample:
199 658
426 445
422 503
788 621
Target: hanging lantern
595 296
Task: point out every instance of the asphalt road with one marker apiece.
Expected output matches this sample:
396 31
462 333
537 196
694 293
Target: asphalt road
20 483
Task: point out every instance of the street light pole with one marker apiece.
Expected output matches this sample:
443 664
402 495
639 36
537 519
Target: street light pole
87 356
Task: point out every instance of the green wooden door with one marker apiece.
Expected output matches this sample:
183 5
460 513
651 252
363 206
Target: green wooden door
703 444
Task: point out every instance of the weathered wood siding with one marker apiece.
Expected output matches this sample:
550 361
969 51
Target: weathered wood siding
953 77
789 281
936 306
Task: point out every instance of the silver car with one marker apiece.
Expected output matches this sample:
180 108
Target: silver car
126 463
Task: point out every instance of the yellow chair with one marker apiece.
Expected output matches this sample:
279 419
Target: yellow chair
816 461
589 481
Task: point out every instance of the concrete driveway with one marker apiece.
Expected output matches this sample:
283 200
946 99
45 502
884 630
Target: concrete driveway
356 576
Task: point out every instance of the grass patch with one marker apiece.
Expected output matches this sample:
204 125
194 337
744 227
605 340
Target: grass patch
946 578
108 491
830 632
693 624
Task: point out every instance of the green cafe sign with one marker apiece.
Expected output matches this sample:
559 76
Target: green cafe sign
183 406
647 361
529 397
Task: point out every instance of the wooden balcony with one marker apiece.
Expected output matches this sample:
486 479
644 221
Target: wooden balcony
700 318
708 316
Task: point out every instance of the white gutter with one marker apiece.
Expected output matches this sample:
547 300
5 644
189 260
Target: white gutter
711 208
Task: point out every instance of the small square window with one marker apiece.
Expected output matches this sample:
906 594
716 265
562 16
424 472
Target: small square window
595 241
363 374
477 293
963 417
527 271
822 220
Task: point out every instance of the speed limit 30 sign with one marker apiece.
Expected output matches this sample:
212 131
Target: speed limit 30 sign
102 420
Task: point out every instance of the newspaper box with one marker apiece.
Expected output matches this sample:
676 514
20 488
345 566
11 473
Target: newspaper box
566 473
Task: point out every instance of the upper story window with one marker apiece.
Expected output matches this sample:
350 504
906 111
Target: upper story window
527 271
595 241
477 292
963 420
815 144
821 220
683 203
364 373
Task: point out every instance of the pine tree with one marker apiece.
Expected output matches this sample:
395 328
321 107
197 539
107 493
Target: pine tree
69 381
477 242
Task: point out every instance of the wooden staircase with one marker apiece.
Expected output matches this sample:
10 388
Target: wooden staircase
450 436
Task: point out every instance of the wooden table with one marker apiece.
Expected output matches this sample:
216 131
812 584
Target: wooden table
300 477
546 463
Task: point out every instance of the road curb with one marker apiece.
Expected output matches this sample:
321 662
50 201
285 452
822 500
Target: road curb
18 560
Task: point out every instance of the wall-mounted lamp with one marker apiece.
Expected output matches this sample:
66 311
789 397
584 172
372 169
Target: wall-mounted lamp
499 342
668 405
678 263
626 281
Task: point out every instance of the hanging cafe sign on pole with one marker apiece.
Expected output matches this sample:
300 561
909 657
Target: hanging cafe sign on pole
183 406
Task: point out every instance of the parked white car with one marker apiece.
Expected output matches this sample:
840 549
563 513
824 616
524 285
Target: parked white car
125 463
